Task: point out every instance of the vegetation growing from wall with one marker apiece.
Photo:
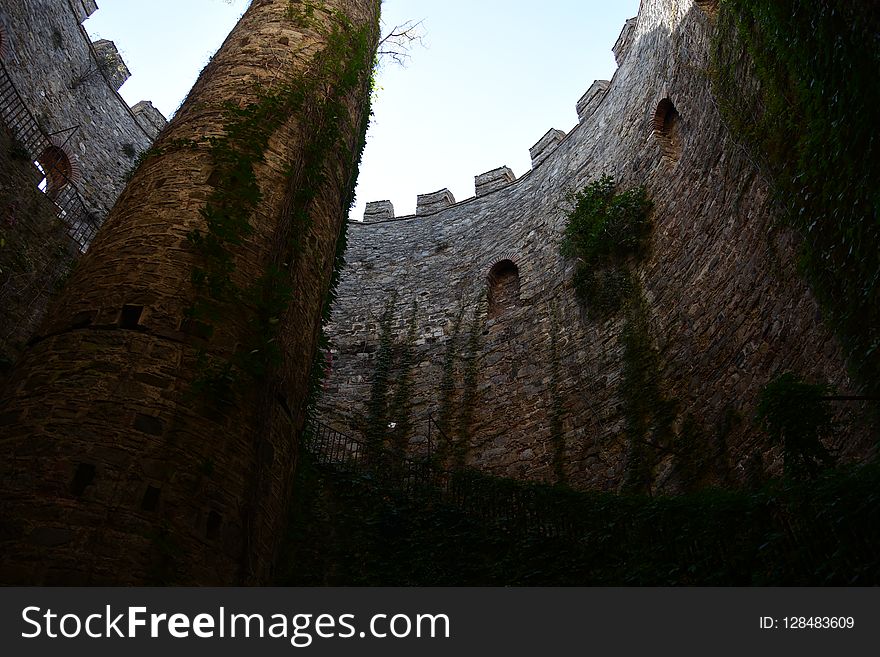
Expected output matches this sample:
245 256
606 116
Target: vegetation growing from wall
604 232
377 419
649 413
469 385
319 96
797 417
556 409
812 120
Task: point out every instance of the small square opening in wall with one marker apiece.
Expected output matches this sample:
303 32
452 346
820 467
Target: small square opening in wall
130 317
82 478
151 499
215 522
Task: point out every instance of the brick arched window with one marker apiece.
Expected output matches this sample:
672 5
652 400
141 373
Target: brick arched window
503 291
57 168
666 129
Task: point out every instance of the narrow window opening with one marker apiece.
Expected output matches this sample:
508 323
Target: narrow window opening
82 478
56 168
215 522
504 288
666 129
151 499
130 318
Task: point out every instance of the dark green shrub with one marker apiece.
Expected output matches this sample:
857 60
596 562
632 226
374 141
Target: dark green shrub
604 231
796 416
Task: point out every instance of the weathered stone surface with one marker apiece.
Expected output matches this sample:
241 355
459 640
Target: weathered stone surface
727 309
545 146
434 202
115 432
378 211
61 77
590 100
488 182
625 41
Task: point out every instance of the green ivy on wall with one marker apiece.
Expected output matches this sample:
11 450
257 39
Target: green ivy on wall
812 121
605 232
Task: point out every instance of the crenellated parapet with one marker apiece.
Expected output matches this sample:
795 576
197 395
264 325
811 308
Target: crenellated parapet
545 146
82 9
589 102
150 119
493 180
111 63
378 211
625 41
434 202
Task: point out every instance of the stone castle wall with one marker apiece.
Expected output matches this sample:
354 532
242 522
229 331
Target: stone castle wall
63 93
71 86
531 388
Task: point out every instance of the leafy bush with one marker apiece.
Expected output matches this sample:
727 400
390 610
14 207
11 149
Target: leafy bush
603 232
796 416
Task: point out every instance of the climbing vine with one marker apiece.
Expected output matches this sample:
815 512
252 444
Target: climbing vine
468 402
812 122
649 413
557 412
377 423
319 97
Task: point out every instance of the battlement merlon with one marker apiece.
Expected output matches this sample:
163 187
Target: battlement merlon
625 40
488 182
378 211
434 202
545 146
590 101
149 118
111 63
84 8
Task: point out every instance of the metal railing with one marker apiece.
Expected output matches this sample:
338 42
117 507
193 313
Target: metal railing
514 507
81 223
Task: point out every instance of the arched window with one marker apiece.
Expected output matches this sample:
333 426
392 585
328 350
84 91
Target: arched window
56 166
503 287
666 127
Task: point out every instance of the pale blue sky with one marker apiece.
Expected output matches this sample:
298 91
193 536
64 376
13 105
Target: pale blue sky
494 76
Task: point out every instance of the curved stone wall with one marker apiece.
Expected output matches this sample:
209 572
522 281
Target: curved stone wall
534 390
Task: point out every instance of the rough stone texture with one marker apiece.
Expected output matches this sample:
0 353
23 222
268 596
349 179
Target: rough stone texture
151 119
434 202
488 182
110 61
115 467
35 254
624 42
50 60
590 100
378 211
545 146
61 77
727 309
